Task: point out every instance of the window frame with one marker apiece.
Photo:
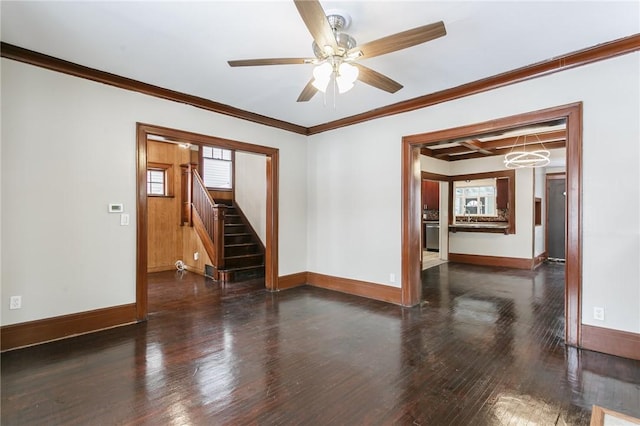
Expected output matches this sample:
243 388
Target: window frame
201 166
167 169
464 197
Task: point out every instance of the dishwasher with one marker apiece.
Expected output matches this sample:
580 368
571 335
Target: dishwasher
433 236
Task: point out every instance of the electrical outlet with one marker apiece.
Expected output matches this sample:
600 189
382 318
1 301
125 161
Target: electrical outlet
598 313
15 302
392 278
196 256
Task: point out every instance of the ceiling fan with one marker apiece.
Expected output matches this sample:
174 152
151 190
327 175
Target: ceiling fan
336 52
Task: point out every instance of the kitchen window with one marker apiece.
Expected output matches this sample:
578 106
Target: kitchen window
475 198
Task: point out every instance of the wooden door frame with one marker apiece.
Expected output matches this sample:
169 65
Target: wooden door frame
272 172
411 181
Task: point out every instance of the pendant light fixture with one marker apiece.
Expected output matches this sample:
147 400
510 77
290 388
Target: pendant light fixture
521 158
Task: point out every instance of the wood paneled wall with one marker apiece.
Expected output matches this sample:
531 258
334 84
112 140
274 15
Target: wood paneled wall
191 244
165 234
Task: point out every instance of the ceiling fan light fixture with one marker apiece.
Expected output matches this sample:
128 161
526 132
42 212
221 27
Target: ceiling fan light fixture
346 77
322 75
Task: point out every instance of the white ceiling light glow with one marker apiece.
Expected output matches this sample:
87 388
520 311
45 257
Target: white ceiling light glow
344 76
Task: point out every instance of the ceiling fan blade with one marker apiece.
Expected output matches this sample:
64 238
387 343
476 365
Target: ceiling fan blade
375 79
308 92
315 19
270 61
401 40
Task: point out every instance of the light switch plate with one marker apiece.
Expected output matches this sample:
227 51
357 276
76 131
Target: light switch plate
124 219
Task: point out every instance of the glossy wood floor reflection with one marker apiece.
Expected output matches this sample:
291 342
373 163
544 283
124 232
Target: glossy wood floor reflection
484 349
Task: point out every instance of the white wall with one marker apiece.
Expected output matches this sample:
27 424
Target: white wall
354 182
69 149
251 190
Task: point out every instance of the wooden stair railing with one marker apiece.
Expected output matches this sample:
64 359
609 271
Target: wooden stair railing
208 222
232 244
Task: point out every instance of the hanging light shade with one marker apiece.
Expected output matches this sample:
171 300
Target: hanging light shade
322 75
521 158
344 75
347 75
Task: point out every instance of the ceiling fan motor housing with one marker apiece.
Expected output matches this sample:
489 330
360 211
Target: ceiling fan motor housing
338 20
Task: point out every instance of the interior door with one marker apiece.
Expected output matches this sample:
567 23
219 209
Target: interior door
556 216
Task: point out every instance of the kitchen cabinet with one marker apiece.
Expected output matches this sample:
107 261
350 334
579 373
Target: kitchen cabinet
431 194
502 189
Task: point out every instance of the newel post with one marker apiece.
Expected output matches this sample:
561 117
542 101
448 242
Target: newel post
186 194
219 211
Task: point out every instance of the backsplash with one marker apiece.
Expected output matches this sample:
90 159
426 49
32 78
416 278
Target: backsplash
502 216
431 214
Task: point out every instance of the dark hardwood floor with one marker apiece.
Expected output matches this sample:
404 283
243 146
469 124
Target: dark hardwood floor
484 349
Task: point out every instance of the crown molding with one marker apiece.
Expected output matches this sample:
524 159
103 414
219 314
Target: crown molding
561 63
30 57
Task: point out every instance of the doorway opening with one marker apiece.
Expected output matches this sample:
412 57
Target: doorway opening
555 194
434 246
271 155
411 206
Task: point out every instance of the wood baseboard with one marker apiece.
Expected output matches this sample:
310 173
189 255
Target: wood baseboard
34 332
539 259
357 288
160 268
507 262
609 341
292 280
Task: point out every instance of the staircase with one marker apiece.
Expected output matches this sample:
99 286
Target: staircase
243 251
235 250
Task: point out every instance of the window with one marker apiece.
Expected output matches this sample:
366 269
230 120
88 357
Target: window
159 180
217 167
475 198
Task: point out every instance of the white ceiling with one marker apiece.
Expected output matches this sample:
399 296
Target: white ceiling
184 46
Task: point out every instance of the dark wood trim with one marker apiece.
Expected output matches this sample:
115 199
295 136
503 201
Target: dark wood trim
507 262
573 240
411 224
539 259
411 173
579 58
272 190
271 243
560 63
357 288
292 280
609 341
44 330
30 57
142 210
434 176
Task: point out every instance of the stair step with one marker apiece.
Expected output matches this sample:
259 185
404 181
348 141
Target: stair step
243 273
240 248
254 259
238 238
232 218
